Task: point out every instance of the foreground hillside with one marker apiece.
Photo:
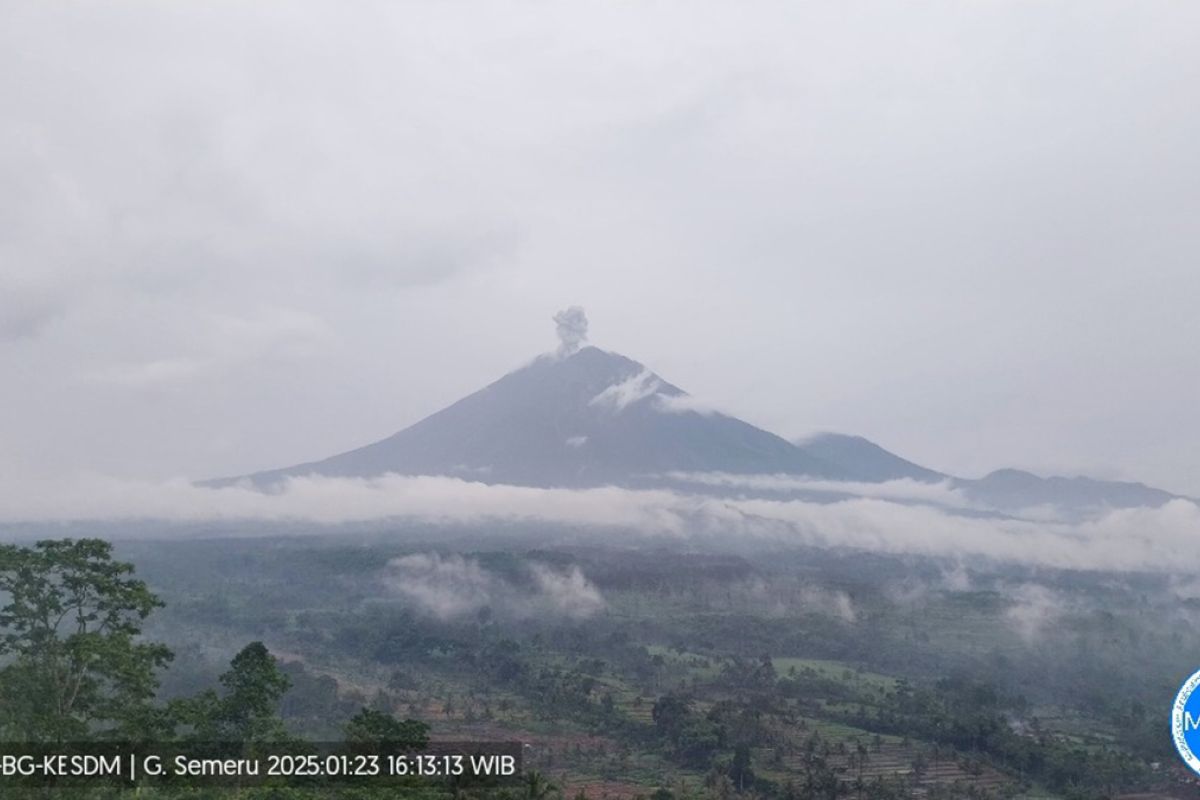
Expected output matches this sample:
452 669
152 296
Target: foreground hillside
778 674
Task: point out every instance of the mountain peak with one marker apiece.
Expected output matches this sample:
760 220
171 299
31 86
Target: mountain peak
588 357
581 416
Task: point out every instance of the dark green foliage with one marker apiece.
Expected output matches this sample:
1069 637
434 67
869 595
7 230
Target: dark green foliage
971 716
536 786
688 629
694 739
739 769
373 727
248 710
70 628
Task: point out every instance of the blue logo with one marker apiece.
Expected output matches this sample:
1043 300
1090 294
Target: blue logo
1185 722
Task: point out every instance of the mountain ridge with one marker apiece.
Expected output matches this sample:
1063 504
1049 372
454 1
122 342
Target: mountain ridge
1006 489
590 417
871 462
585 418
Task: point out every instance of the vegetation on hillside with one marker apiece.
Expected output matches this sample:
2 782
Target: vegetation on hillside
689 676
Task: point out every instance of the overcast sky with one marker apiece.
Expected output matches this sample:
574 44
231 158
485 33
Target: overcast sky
242 235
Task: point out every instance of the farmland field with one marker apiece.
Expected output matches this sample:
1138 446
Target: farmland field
886 677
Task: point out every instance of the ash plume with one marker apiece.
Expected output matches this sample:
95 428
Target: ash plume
571 325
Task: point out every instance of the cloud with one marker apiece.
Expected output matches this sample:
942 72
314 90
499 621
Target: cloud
784 596
24 313
633 389
159 371
787 200
336 500
646 384
956 579
220 344
1158 539
568 592
835 603
1033 608
1185 587
445 587
912 589
683 403
452 586
942 493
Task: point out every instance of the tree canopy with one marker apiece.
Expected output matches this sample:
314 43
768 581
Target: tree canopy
71 625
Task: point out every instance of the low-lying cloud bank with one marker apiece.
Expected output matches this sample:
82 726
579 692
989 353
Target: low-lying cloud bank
942 493
1161 539
453 587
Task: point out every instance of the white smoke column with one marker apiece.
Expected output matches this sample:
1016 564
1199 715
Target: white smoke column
571 325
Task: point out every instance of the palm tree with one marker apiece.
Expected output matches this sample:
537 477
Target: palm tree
537 787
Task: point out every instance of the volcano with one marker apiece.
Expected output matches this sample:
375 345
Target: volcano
582 418
585 417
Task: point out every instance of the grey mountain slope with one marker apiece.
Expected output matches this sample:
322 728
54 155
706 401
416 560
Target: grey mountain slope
594 418
1007 490
862 457
587 419
1014 489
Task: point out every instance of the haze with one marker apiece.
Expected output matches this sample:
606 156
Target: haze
238 236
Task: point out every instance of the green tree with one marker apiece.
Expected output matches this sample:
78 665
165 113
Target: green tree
537 787
670 712
373 727
248 711
70 631
739 769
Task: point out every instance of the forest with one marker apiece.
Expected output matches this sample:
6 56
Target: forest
639 669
